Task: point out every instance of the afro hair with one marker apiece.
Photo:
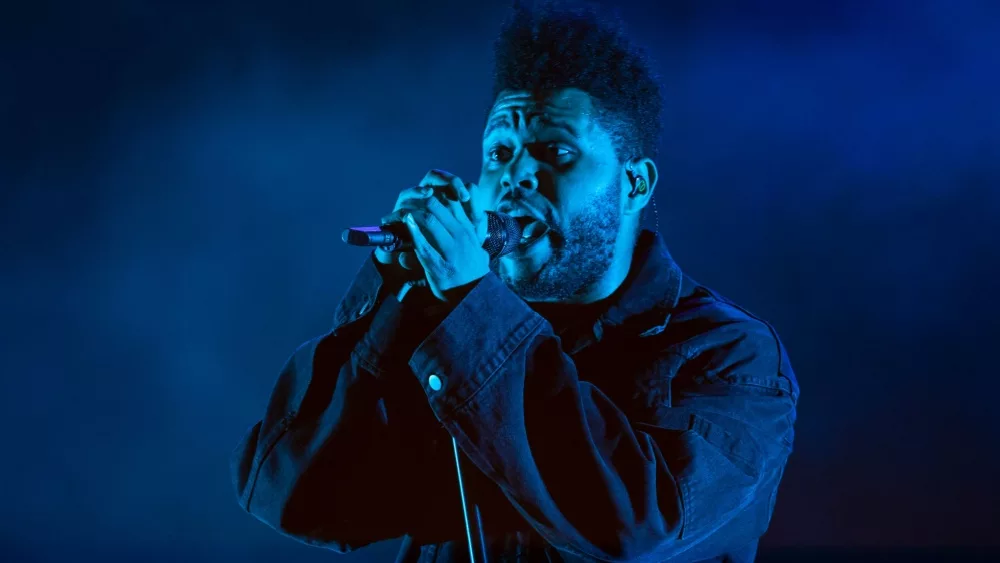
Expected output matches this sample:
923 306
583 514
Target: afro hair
547 45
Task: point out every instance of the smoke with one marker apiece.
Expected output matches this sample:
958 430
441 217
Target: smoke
175 193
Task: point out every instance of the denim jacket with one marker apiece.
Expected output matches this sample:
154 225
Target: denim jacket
656 429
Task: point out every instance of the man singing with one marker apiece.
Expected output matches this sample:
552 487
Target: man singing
608 407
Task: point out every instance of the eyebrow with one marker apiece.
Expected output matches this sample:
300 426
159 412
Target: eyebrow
503 122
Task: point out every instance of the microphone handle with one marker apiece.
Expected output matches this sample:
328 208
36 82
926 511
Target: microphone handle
390 237
503 235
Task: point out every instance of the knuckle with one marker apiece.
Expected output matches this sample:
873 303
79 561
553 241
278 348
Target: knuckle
435 223
424 218
435 176
418 191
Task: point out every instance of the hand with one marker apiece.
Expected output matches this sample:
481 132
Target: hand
448 229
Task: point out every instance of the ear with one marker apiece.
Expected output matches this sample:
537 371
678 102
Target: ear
641 175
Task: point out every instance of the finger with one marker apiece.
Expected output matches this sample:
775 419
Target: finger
458 212
432 230
429 257
450 213
403 258
476 211
409 194
408 261
397 215
405 203
419 191
461 190
409 286
450 184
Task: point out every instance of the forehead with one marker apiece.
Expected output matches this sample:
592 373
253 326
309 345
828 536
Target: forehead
570 108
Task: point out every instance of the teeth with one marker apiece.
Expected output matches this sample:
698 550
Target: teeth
533 229
524 221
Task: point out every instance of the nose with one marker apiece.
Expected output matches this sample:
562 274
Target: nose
522 172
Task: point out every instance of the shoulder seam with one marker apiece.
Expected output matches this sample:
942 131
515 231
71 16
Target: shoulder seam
716 297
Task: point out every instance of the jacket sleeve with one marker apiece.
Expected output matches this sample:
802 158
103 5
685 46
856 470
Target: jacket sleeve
696 472
324 465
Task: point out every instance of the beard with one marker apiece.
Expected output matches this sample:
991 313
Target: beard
582 253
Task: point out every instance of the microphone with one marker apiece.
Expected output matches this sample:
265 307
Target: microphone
503 234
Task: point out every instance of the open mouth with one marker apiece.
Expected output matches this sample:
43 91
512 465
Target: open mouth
531 230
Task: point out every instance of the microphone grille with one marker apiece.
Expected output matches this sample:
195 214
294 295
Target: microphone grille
503 233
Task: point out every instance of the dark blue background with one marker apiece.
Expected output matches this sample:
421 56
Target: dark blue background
175 177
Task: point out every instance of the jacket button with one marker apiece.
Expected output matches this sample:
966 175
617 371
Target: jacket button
434 382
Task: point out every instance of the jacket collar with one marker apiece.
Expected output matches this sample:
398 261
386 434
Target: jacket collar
652 285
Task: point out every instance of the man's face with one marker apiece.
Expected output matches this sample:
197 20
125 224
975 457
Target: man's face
550 159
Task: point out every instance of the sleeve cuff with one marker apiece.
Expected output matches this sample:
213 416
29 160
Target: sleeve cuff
458 356
398 328
362 295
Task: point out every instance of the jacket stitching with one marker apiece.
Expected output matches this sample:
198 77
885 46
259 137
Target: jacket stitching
531 330
272 440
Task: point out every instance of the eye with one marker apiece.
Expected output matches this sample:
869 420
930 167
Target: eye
559 151
554 153
500 153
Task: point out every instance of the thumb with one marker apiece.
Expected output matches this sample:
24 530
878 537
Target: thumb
477 214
